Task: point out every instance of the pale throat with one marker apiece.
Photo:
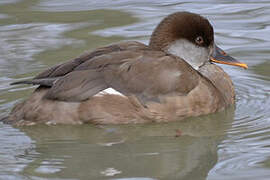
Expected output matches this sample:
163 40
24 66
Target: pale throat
195 55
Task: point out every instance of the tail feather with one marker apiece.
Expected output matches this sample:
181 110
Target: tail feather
5 120
44 82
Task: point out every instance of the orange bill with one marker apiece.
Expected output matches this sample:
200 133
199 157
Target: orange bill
219 56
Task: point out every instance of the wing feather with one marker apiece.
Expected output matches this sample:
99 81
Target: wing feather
130 68
77 86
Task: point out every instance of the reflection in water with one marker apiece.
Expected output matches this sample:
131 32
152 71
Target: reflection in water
35 34
14 150
150 150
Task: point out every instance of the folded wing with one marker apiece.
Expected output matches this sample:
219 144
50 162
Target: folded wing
136 71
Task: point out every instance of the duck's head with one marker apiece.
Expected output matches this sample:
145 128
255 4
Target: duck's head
190 37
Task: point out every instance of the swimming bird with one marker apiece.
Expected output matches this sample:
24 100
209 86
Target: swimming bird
172 78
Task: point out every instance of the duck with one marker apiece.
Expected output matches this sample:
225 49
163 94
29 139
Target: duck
170 79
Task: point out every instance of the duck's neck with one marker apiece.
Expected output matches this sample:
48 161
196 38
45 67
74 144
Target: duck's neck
220 80
194 55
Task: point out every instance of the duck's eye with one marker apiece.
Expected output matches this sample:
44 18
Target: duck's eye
199 40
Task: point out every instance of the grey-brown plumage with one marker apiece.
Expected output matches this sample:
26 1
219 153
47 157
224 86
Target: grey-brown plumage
157 86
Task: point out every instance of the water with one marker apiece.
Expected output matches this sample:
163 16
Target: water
234 144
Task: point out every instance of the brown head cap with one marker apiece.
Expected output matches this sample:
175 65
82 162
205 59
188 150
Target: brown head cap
181 25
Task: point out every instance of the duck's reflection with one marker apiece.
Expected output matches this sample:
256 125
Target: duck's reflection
181 150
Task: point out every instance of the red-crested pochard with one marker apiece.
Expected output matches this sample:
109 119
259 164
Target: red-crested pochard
171 78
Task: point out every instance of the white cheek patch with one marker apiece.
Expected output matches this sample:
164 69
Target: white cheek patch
109 91
194 55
